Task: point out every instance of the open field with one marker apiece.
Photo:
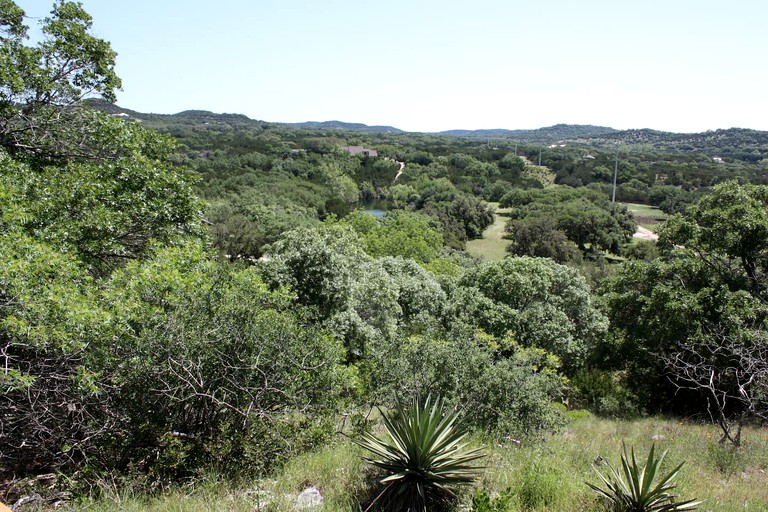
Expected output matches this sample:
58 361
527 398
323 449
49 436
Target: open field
493 246
546 475
646 216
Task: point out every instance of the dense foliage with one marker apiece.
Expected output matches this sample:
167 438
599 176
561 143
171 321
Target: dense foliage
542 221
699 311
212 294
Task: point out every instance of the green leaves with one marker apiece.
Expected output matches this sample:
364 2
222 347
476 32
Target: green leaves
424 458
41 86
542 303
635 489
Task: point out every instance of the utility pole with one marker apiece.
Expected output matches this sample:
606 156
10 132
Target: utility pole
539 157
615 173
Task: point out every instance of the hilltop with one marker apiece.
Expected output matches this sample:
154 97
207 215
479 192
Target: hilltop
744 144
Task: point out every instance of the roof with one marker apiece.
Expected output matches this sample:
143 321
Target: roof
360 150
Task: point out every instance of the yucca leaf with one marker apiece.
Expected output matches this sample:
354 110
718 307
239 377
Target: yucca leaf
424 456
632 489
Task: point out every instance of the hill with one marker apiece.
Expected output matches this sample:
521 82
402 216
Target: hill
738 143
723 142
340 125
547 134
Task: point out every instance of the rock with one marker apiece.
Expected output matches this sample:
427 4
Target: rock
309 499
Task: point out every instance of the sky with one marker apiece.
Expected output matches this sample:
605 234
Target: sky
426 65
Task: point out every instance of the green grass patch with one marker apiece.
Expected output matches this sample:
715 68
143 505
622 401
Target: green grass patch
545 475
493 245
647 216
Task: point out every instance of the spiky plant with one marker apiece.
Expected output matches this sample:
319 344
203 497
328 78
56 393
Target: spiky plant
424 458
634 488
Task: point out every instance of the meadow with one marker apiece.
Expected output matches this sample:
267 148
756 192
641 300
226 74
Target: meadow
646 216
547 474
492 246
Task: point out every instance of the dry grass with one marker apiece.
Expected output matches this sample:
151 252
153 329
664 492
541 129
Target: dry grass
542 476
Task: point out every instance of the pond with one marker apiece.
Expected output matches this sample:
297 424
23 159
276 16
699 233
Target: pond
375 212
376 207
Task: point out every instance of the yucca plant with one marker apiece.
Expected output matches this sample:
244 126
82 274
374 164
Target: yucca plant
424 458
634 488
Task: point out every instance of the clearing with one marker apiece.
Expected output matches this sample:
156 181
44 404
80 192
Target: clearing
493 245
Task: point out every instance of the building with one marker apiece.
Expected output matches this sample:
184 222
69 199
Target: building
360 150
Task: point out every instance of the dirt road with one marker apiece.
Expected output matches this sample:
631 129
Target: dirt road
645 234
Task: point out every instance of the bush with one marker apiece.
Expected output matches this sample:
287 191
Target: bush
424 459
637 489
217 370
603 393
509 394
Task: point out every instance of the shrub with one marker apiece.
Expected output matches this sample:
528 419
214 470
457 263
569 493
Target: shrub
424 459
603 394
635 489
217 370
510 394
483 502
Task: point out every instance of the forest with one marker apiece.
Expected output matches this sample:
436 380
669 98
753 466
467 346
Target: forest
200 300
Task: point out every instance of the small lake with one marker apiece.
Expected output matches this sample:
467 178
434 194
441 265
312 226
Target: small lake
376 212
377 207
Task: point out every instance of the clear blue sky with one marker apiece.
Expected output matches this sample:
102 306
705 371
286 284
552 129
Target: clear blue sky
425 65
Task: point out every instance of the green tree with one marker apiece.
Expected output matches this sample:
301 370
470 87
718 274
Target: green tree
319 265
52 330
692 319
106 212
42 86
728 230
399 233
210 354
81 193
77 178
537 302
540 237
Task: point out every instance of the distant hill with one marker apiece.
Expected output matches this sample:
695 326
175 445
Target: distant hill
340 125
741 143
722 137
550 133
111 108
187 117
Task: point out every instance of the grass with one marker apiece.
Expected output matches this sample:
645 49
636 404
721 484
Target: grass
543 476
646 216
493 245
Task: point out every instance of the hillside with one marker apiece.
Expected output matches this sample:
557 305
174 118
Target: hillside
547 134
732 144
340 125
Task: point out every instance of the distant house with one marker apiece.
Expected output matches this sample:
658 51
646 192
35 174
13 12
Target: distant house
588 157
360 150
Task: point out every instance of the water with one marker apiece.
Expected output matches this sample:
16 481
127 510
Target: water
377 207
376 212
